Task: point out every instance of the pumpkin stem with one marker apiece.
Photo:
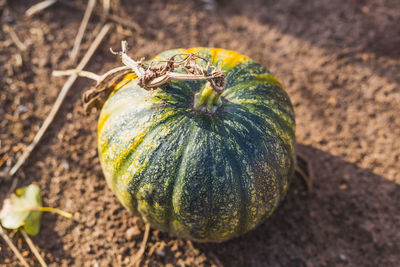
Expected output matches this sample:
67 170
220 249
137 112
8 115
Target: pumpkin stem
152 76
207 99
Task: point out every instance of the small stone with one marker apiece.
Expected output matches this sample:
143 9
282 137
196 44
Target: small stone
88 248
174 247
365 10
342 257
160 252
25 253
365 57
343 187
132 233
332 101
77 216
178 254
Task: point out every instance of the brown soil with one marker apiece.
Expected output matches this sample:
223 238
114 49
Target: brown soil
339 61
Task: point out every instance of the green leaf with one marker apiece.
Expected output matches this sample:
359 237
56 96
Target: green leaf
23 209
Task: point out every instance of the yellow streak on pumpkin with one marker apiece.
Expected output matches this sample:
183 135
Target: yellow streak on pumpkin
106 113
124 180
119 185
270 79
104 116
195 50
229 59
125 80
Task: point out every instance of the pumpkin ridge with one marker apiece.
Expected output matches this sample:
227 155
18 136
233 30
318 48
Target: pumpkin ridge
171 213
267 207
268 123
232 130
279 118
258 90
208 224
151 185
288 147
123 106
234 163
285 127
235 115
110 134
285 145
191 139
135 185
282 117
243 218
132 151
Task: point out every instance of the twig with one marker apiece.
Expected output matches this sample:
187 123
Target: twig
305 172
87 74
33 248
106 6
14 37
106 10
137 258
60 98
13 186
3 159
39 7
123 21
13 247
82 28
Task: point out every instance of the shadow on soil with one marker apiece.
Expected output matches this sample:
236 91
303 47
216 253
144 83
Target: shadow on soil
348 207
353 24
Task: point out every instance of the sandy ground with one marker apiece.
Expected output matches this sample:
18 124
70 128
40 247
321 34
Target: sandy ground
340 63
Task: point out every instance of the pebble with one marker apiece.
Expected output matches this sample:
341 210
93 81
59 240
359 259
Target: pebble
342 257
343 187
160 252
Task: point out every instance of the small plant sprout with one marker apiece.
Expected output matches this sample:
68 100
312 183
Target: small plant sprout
23 211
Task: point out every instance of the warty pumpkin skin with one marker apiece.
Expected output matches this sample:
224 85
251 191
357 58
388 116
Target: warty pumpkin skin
199 176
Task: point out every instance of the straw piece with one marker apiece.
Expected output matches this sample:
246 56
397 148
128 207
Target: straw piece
60 98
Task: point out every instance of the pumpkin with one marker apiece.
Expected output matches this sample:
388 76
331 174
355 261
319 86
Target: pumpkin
198 175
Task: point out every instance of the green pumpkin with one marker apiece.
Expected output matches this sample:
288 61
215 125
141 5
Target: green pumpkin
204 177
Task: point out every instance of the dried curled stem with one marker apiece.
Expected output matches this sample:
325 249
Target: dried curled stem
152 76
105 84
